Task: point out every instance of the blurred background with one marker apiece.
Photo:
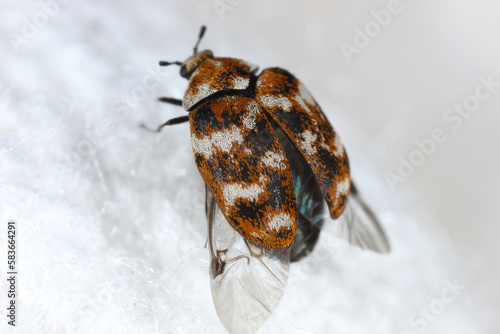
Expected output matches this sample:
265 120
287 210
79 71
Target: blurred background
413 88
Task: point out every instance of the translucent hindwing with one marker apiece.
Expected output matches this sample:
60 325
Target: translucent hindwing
296 112
244 165
310 200
247 281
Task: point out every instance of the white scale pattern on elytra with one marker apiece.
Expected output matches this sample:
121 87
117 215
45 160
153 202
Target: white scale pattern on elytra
222 140
280 220
276 101
264 179
240 83
275 160
343 187
233 191
308 139
249 120
300 101
202 92
339 151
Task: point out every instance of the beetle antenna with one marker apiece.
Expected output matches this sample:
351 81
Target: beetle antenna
166 63
173 121
200 36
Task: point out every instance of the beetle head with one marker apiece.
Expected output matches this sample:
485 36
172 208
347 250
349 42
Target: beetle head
192 63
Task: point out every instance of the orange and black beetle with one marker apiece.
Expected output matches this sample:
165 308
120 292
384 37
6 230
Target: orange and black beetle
234 114
270 160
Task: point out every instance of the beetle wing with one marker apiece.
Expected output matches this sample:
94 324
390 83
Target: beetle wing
359 226
247 281
295 111
244 165
310 200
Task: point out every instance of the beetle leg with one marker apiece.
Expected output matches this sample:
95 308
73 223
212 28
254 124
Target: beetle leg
171 100
259 258
219 259
234 259
254 254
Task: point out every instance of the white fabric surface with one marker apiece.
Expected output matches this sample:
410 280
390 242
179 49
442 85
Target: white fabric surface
111 226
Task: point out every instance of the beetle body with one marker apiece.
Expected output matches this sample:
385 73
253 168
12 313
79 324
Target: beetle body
274 170
232 110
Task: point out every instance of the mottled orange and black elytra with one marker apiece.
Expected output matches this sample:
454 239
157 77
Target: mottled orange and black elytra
240 158
291 105
234 115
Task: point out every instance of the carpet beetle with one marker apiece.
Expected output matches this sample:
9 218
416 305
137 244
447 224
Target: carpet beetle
275 170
